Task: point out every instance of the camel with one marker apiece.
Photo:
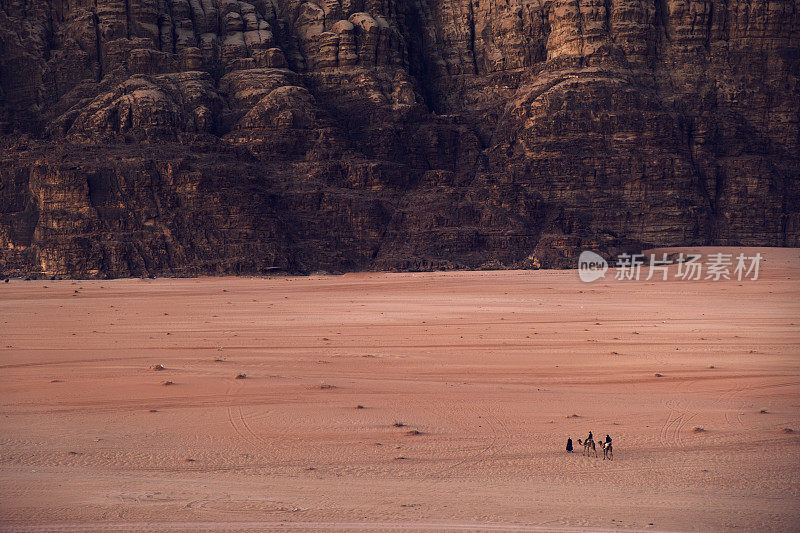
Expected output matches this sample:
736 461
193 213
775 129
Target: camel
588 444
608 451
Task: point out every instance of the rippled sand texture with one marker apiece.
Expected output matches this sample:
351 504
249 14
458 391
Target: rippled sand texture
493 369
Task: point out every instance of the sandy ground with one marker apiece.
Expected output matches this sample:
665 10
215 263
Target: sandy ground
494 369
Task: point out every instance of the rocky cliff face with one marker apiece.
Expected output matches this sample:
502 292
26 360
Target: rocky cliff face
179 137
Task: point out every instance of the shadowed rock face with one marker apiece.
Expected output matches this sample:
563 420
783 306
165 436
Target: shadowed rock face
181 137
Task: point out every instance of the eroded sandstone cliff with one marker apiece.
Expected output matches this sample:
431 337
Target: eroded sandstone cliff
179 137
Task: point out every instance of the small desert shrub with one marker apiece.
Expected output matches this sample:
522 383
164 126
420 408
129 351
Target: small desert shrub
240 376
398 424
698 429
157 368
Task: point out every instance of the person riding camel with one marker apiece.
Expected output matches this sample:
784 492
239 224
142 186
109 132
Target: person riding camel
608 439
589 438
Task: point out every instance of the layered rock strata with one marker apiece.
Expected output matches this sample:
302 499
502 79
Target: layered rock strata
182 137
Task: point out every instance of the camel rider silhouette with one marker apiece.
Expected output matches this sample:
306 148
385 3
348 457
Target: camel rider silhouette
608 439
590 437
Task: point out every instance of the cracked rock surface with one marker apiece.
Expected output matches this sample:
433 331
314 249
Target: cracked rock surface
185 137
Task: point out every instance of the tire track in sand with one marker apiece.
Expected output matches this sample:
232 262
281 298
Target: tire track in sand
244 432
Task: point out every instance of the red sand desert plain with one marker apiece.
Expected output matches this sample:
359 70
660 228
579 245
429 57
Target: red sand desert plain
468 383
